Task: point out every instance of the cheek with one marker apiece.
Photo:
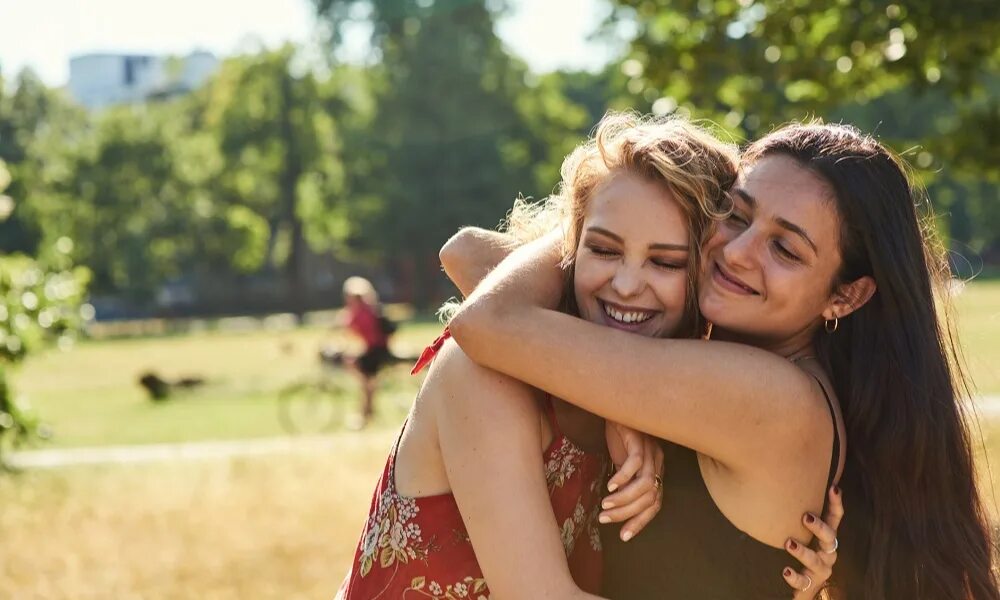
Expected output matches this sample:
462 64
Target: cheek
671 291
799 291
589 276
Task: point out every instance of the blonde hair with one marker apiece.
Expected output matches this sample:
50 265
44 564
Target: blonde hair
696 167
362 288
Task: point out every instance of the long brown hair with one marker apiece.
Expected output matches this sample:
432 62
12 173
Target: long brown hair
915 527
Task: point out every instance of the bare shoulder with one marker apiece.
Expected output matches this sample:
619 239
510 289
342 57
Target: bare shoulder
457 395
454 379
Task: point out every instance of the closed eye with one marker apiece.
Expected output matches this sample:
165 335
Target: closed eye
786 253
602 251
670 265
737 218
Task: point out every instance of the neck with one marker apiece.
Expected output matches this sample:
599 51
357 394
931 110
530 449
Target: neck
791 348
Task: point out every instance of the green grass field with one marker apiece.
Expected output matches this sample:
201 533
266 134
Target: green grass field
978 312
91 396
280 526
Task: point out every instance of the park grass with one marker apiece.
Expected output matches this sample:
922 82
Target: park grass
282 526
978 319
91 397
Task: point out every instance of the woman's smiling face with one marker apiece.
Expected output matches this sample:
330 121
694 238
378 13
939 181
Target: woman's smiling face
630 270
768 270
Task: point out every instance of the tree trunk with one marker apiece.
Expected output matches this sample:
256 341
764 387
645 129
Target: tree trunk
292 171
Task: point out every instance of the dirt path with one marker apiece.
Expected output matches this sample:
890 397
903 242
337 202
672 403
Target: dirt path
63 457
988 407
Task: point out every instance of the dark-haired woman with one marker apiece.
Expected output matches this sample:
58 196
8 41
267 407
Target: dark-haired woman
820 286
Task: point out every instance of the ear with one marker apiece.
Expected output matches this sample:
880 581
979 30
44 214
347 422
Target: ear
849 297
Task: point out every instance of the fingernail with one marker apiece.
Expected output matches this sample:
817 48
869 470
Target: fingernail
612 486
810 518
792 545
787 572
626 536
836 490
607 504
604 519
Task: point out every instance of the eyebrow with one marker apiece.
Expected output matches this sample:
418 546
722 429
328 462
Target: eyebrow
783 223
621 240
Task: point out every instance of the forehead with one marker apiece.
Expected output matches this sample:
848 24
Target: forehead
783 189
635 208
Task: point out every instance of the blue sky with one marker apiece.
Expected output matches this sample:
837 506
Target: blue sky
44 34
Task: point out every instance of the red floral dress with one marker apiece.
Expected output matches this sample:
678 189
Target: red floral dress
419 547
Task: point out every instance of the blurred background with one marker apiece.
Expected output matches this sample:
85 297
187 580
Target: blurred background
185 187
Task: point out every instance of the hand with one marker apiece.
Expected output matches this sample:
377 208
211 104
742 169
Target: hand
818 563
636 485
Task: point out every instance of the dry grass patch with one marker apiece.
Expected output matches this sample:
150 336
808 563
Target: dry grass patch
282 526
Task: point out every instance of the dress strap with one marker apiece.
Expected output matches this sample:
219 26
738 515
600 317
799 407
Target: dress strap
430 352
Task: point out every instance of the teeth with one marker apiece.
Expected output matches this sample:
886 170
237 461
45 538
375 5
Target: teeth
627 317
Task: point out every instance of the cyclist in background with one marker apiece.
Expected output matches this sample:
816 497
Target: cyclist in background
363 316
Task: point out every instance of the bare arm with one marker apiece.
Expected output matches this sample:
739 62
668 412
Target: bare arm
490 437
742 406
469 255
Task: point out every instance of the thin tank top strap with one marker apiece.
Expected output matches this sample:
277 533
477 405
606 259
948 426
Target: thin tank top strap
550 415
835 459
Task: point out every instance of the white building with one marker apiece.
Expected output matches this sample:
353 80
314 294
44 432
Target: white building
99 80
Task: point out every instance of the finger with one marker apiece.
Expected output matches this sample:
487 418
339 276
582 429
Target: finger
814 562
637 523
826 536
834 508
628 469
657 458
800 583
633 490
620 514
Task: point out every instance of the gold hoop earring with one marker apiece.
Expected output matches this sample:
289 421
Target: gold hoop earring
708 331
828 327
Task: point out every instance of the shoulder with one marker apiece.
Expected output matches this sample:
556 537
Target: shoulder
454 379
827 406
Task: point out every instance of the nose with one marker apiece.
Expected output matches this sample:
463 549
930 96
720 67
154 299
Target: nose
628 280
739 251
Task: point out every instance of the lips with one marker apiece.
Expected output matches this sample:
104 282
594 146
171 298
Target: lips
729 282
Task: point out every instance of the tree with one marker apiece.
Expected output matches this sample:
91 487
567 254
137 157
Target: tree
920 74
280 150
460 128
28 110
40 302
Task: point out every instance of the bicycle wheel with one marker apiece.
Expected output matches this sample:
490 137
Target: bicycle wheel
310 408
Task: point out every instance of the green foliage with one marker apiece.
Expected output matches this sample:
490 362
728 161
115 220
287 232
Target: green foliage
40 303
30 116
921 74
281 174
460 129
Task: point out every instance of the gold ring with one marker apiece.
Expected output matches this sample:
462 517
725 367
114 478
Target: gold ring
808 585
657 481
